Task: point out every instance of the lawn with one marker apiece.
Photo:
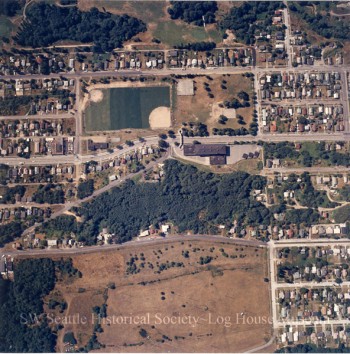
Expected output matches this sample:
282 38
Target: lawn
125 108
176 32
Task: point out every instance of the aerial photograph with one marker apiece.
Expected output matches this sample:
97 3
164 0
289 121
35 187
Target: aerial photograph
174 176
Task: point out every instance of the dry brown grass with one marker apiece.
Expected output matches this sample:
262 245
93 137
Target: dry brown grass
199 107
250 166
226 287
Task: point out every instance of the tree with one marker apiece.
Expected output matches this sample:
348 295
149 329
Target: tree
243 95
222 119
163 144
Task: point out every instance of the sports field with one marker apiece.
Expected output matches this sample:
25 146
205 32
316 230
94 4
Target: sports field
127 107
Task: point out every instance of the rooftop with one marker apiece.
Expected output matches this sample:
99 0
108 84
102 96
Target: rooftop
205 149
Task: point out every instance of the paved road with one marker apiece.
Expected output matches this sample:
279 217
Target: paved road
311 242
309 284
286 170
132 244
191 71
288 47
39 116
261 348
283 323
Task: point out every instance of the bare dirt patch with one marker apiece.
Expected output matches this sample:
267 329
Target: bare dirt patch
185 87
160 118
217 111
96 95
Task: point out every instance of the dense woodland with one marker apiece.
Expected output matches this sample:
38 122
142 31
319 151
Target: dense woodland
10 7
191 199
49 193
243 19
193 11
10 232
85 189
22 326
47 24
322 23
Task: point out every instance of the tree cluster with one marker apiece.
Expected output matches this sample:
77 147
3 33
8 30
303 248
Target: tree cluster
244 19
193 11
10 232
323 24
197 46
46 24
192 199
11 105
22 327
49 193
9 194
9 7
85 189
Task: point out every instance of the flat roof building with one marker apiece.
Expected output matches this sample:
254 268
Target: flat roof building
205 150
216 152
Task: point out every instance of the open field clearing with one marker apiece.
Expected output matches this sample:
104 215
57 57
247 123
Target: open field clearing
201 107
224 287
220 285
120 108
159 25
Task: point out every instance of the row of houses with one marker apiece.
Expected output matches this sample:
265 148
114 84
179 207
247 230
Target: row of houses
48 145
23 213
302 119
35 174
136 155
331 336
314 304
27 127
215 58
30 63
329 230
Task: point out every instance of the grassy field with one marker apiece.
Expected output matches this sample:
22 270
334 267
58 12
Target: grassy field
199 107
341 214
159 25
168 280
175 32
123 108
